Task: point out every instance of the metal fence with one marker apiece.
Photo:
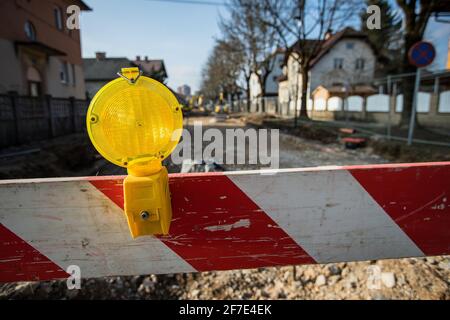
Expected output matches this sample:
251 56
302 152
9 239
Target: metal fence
24 119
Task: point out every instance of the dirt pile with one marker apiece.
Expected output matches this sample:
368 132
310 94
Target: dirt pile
71 155
424 278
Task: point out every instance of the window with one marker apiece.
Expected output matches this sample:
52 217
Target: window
338 63
64 72
359 64
58 18
30 31
349 45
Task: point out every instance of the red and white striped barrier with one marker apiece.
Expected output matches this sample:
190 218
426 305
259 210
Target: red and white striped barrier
227 221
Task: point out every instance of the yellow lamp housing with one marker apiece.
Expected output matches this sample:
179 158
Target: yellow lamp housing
136 122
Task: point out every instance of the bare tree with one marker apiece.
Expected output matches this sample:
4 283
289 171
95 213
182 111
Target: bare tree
416 14
235 47
306 24
258 40
222 71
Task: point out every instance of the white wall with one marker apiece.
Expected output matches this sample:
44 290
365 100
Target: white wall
444 102
423 104
320 104
355 103
334 104
294 78
272 79
378 103
255 88
283 92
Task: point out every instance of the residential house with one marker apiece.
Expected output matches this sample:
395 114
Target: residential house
39 54
272 79
345 63
100 70
153 68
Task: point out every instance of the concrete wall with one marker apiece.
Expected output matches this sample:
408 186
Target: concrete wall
434 109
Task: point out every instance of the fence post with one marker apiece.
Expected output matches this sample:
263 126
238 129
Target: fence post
51 129
16 114
390 103
434 103
73 114
364 111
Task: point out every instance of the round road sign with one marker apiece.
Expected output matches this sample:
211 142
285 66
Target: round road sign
422 54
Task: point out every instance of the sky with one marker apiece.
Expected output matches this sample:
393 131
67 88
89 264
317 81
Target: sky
181 34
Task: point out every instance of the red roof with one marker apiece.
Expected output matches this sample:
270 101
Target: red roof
334 39
325 45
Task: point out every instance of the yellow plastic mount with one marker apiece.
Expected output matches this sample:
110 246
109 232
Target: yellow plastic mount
147 203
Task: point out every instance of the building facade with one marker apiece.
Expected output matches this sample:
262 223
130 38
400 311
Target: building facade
39 54
153 68
272 79
100 70
346 61
184 90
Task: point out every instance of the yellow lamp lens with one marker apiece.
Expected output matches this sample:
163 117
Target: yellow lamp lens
134 121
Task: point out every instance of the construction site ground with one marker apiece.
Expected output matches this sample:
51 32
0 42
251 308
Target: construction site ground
305 146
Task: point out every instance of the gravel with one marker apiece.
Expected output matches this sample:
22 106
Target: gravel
413 278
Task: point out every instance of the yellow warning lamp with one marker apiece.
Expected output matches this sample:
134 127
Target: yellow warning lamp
135 122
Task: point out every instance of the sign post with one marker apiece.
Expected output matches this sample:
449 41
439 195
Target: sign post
421 54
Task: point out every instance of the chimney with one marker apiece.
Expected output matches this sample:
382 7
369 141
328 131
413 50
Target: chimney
328 34
138 58
100 55
146 58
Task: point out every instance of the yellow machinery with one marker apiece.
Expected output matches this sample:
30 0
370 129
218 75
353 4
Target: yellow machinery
136 122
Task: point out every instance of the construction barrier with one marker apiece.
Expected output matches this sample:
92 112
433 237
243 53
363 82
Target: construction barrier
224 221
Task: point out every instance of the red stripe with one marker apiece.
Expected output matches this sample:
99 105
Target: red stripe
417 198
19 261
215 226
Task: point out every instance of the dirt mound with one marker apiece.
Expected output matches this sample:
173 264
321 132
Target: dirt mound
400 152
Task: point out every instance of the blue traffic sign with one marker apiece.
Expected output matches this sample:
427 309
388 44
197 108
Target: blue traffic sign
422 54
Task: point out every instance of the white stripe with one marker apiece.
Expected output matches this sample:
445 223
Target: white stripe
329 215
89 231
